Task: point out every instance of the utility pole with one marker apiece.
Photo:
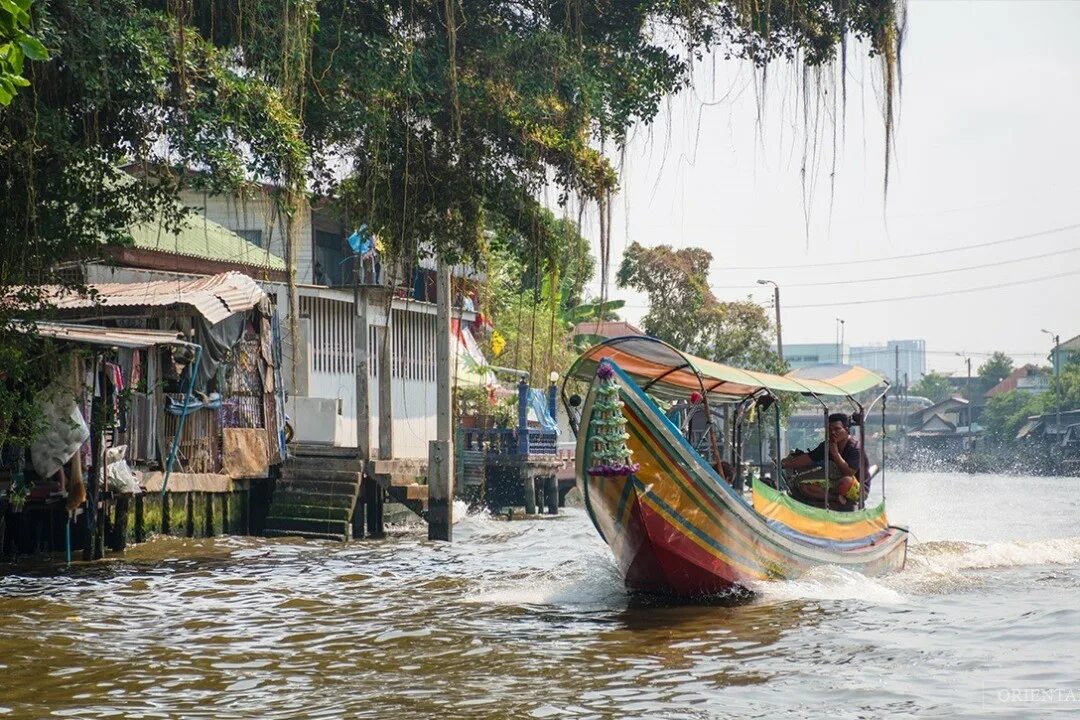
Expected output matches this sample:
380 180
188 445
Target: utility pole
776 305
440 451
896 372
1056 357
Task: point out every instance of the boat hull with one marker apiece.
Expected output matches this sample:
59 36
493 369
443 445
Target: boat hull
675 526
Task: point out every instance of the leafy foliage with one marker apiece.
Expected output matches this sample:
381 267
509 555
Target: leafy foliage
451 113
995 369
128 84
16 46
535 300
1065 390
1006 412
932 385
684 312
432 122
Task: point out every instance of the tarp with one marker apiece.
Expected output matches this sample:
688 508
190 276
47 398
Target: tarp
467 359
663 370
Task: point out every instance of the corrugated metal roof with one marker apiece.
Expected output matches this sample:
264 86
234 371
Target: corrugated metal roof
215 297
109 337
203 238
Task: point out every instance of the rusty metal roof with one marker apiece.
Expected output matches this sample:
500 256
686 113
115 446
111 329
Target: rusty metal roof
107 336
215 297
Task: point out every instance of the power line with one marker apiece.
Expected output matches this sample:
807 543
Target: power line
944 293
928 253
929 273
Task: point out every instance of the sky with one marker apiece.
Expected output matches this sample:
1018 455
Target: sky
987 149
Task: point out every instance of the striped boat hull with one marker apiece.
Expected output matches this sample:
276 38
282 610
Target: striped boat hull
675 526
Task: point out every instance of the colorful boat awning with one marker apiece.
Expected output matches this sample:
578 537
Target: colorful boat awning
661 369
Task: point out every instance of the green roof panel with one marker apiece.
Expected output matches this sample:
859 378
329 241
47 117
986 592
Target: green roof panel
203 238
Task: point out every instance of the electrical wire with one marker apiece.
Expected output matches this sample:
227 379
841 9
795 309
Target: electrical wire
928 253
944 293
928 273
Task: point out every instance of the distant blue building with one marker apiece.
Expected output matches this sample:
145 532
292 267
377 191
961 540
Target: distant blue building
799 355
909 356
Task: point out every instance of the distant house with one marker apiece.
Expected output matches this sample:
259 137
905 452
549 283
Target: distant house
943 428
1065 352
1029 378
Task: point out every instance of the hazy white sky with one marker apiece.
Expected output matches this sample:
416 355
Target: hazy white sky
987 148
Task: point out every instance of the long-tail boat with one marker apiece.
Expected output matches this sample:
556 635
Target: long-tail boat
674 523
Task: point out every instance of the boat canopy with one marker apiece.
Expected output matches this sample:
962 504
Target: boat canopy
661 369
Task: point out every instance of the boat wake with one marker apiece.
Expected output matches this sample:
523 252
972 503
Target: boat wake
951 565
829 582
932 567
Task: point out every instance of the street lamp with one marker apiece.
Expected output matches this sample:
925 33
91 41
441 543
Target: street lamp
776 302
840 341
1057 377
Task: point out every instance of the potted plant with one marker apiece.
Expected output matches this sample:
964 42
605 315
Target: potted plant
472 405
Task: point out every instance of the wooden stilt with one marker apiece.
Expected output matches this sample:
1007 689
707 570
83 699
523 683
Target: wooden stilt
551 494
166 514
226 526
209 517
120 524
140 526
189 529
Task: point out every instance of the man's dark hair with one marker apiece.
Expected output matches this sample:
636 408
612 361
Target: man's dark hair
840 418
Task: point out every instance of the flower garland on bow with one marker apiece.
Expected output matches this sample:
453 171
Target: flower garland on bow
610 457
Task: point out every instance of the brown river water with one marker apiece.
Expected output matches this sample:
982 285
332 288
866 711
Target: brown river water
528 619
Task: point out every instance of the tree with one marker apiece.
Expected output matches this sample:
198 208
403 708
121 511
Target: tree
443 115
128 84
933 386
16 46
535 298
995 369
1006 412
684 312
1065 390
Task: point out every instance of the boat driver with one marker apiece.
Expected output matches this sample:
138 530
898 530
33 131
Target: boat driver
842 487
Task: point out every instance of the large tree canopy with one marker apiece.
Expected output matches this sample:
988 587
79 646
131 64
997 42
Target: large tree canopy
445 113
431 121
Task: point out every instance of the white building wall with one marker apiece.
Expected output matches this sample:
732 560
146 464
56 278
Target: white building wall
331 374
258 213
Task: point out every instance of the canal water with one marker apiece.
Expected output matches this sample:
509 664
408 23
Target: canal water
528 620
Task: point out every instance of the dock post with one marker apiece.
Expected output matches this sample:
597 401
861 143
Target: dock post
166 508
551 494
189 529
140 526
528 488
93 482
374 502
120 525
209 518
361 364
441 450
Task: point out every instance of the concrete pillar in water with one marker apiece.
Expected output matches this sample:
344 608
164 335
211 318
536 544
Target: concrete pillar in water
441 450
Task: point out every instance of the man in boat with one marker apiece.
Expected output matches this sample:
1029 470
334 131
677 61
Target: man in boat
841 489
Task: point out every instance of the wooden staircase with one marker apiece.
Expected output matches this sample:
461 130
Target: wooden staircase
315 498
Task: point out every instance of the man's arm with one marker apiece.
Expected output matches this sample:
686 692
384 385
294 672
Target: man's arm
838 461
801 461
